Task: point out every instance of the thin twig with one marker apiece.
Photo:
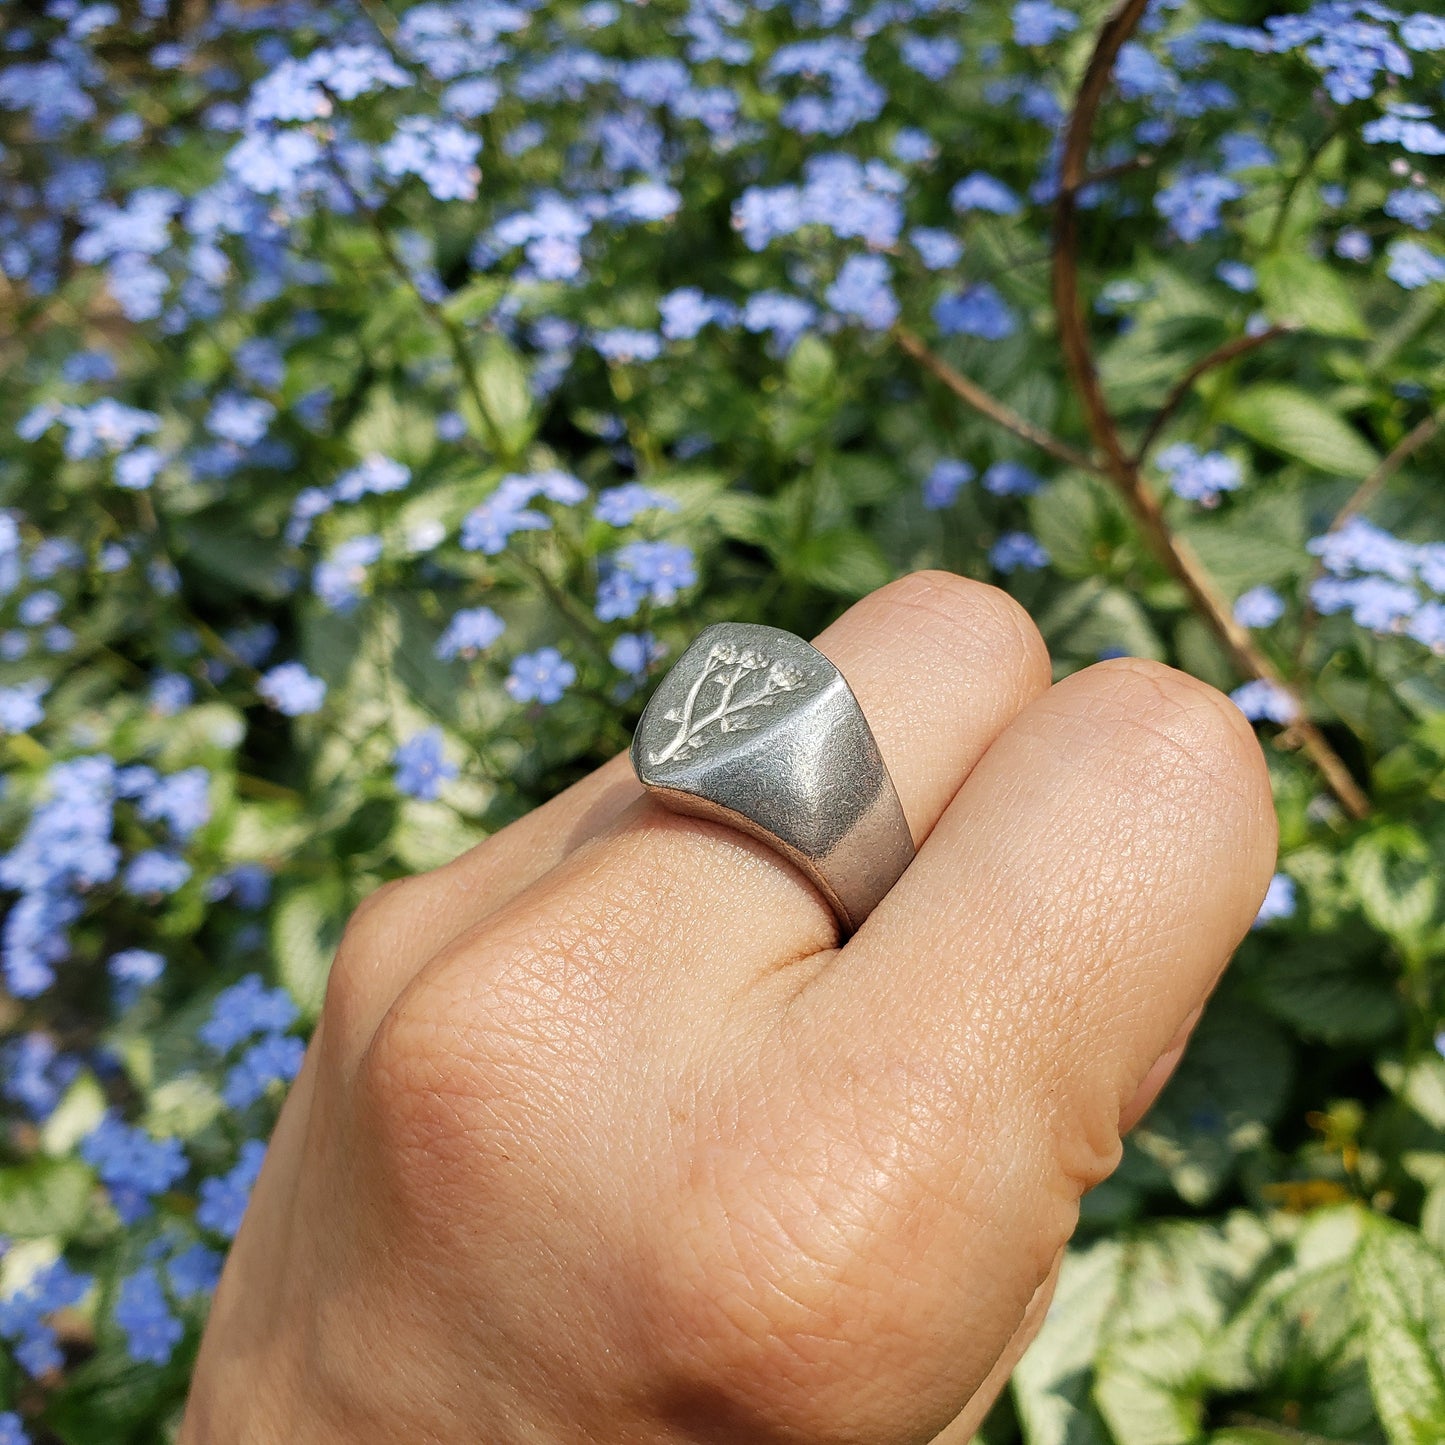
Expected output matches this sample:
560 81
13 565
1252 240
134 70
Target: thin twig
980 400
455 337
1364 495
1359 501
1220 356
1141 162
1122 471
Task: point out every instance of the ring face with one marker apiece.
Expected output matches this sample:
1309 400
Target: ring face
756 728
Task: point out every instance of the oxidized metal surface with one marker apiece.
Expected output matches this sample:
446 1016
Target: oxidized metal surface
756 728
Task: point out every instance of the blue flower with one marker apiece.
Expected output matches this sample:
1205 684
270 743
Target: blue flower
375 474
1412 265
625 344
944 482
39 608
20 707
623 505
180 800
541 676
12 1429
980 311
640 572
142 1311
244 1010
196 1270
686 311
1192 204
34 1073
938 250
1427 626
137 469
850 95
913 146
487 527
863 293
1016 551
1409 128
133 969
1199 476
633 653
273 1058
1240 151
1037 22
170 693
243 420
982 192
1279 901
1415 206
1237 276
1353 244
784 317
440 152
338 581
290 689
932 56
472 630
422 766
223 1199
1011 479
1259 607
155 873
1263 701
132 1165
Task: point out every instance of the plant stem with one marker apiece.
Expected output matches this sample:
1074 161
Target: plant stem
980 400
1220 356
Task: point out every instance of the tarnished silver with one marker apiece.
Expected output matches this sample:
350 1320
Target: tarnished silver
756 728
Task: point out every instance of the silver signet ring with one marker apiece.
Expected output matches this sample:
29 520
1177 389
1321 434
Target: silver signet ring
755 728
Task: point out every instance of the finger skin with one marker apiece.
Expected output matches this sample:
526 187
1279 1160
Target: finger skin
945 1090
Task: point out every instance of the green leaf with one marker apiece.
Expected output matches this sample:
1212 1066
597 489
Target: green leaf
845 561
1297 289
1324 996
506 398
44 1197
1393 874
305 930
1293 423
1052 1382
1178 1284
1227 1091
1401 1285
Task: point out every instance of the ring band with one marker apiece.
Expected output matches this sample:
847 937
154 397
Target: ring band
755 728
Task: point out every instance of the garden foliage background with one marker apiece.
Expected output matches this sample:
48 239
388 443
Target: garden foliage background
390 391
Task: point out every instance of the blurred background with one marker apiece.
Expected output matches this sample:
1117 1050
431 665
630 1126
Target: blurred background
391 390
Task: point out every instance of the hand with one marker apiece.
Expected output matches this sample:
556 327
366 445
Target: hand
603 1138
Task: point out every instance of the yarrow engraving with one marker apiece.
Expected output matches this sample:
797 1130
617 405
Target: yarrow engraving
729 688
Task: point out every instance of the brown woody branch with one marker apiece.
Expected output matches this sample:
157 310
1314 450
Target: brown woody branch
981 401
1220 356
1122 470
1361 498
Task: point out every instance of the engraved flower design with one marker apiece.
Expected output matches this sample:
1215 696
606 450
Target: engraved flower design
727 692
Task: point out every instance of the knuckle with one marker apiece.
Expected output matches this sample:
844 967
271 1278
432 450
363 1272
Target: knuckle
353 984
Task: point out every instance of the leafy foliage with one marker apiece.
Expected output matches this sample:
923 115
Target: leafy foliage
392 391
